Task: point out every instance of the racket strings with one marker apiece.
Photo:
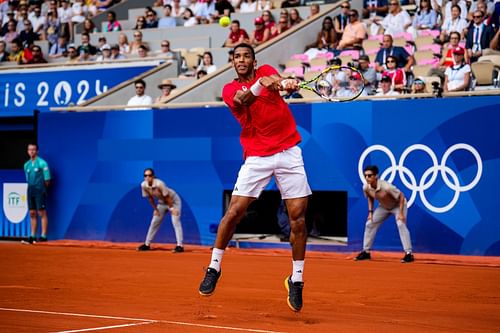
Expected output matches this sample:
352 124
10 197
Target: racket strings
339 84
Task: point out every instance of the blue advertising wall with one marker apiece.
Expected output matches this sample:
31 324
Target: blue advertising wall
442 153
25 91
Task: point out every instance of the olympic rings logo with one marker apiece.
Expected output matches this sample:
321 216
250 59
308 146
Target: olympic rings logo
429 176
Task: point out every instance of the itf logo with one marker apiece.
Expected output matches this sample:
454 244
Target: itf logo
15 205
449 176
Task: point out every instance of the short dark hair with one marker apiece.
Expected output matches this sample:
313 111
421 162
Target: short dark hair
372 168
140 81
33 144
247 46
150 169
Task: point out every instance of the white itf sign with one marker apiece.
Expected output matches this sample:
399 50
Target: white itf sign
15 203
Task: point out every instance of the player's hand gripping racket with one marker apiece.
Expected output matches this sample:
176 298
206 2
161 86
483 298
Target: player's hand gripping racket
336 84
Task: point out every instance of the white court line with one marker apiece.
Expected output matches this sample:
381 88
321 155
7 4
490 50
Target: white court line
107 327
143 321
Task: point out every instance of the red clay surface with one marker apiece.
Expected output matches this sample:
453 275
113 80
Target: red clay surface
86 287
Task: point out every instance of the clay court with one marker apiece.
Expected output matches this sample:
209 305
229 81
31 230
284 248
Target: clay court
107 287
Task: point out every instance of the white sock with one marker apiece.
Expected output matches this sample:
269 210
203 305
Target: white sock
298 270
216 259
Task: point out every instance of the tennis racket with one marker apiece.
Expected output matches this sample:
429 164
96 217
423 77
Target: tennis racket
336 84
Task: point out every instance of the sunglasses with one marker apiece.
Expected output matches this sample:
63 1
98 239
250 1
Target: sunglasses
137 36
165 45
475 16
345 7
393 4
148 175
390 62
352 15
369 175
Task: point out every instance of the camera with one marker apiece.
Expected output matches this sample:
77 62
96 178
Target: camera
436 89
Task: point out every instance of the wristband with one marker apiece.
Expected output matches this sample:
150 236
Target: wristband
256 88
370 211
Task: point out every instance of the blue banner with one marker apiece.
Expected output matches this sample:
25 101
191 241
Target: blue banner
21 92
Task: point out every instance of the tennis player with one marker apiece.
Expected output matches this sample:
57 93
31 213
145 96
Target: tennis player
269 138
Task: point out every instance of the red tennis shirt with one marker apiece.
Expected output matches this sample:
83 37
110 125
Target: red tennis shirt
267 125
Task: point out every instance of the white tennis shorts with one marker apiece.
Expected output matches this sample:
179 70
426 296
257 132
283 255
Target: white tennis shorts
287 167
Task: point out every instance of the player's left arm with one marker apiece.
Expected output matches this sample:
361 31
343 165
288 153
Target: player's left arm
46 174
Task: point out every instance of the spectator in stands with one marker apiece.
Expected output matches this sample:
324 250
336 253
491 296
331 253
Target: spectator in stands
113 24
89 26
189 18
103 5
79 10
248 6
268 18
354 32
385 87
264 5
51 28
457 77
479 37
481 6
447 60
101 41
59 49
369 74
452 23
28 36
105 53
21 17
178 9
236 36
123 43
494 45
396 21
230 56
375 8
151 18
36 56
16 50
313 10
11 33
115 53
140 23
199 9
325 40
65 13
207 63
290 3
9 16
397 75
426 17
222 8
295 17
38 21
165 50
340 21
85 44
140 97
449 5
166 88
261 34
279 28
4 55
167 21
419 86
142 51
134 45
201 73
84 54
388 49
73 56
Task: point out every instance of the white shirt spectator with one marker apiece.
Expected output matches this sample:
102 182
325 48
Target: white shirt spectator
395 24
463 9
79 10
139 100
199 9
208 69
458 25
37 22
64 14
456 75
248 7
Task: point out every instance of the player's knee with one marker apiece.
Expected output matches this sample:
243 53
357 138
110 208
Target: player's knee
298 226
32 213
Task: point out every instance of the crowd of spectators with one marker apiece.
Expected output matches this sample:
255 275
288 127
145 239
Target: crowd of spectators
460 33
